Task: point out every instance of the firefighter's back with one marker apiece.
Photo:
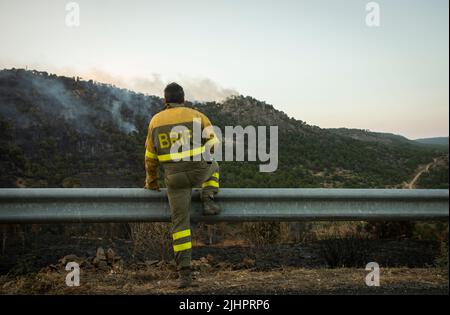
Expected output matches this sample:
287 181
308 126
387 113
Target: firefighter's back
177 139
176 134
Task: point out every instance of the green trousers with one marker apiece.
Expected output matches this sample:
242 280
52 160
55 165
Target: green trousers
180 178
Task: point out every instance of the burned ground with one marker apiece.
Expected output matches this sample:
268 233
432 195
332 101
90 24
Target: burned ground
407 267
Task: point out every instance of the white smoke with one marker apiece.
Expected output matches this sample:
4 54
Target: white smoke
196 89
71 106
125 126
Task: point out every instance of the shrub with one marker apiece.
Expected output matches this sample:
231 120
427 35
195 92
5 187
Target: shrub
390 229
260 234
151 241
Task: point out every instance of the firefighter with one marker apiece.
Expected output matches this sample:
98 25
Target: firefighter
171 143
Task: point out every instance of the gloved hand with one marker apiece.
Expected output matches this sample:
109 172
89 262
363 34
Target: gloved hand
152 185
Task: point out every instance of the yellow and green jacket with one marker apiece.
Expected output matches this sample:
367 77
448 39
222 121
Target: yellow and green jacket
161 137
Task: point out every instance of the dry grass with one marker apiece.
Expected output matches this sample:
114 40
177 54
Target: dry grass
151 241
282 281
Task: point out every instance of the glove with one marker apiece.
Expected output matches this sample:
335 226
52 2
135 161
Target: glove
152 185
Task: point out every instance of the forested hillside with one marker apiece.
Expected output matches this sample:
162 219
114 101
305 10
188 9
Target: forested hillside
68 132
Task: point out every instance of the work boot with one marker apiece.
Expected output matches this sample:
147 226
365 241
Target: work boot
185 278
209 206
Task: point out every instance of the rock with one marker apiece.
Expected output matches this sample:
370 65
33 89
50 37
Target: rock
96 261
110 255
100 255
210 258
151 262
99 260
68 258
205 266
223 265
200 264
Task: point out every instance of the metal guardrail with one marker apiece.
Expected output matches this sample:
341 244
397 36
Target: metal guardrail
31 205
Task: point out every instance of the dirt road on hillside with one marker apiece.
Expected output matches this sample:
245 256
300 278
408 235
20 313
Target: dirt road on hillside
423 169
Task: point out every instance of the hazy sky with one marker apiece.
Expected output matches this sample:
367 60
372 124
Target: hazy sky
316 60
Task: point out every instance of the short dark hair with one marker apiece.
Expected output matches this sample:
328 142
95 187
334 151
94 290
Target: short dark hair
174 93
